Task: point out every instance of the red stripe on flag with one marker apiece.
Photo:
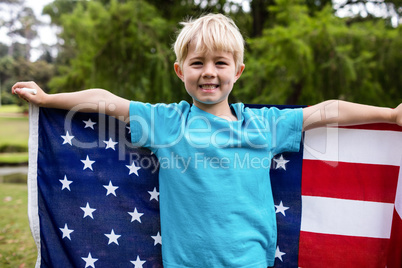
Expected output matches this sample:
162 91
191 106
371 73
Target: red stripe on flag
395 248
378 126
350 180
334 251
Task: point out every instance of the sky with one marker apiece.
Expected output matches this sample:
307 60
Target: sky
37 6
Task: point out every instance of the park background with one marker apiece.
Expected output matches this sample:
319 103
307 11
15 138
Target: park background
297 52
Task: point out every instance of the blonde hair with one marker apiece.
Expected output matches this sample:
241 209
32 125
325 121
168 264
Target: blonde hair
210 32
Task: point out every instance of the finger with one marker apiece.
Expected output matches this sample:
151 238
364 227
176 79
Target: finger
24 94
22 85
22 98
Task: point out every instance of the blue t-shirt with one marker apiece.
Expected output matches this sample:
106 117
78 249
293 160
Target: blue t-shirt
216 203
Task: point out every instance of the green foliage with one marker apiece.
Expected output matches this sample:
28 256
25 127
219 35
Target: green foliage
19 69
297 52
123 47
305 59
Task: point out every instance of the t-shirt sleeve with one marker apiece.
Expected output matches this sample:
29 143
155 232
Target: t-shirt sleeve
286 129
155 125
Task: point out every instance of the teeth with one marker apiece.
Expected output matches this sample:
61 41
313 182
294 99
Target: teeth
208 86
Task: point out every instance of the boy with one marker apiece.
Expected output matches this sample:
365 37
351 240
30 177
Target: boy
216 210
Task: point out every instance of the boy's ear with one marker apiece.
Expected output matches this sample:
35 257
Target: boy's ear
240 71
178 71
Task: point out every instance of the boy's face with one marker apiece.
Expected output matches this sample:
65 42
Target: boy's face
208 77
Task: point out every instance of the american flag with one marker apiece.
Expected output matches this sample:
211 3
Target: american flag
348 197
94 200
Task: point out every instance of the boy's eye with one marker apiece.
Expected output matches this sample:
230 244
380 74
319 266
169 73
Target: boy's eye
196 63
221 63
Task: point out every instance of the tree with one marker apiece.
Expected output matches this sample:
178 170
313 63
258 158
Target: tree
58 8
27 30
10 23
303 54
19 69
263 17
317 5
384 9
21 23
305 59
3 50
15 59
123 47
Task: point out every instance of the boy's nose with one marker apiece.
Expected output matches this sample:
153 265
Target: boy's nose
209 70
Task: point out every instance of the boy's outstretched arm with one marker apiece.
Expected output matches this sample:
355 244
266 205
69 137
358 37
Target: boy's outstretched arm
347 113
91 100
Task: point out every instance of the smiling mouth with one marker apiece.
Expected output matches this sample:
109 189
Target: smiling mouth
208 87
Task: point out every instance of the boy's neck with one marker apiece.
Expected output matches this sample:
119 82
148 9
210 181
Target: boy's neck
221 110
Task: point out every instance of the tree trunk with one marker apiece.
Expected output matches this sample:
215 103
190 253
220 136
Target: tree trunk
260 13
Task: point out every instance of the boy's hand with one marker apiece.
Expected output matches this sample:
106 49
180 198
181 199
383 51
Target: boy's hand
20 89
90 100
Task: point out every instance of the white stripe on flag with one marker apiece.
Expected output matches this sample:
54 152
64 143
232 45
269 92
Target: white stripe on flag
398 198
346 217
33 210
354 146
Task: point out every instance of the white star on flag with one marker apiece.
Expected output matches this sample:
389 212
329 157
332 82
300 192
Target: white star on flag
112 237
66 231
88 211
133 169
154 194
66 183
281 162
110 189
67 138
135 215
280 208
110 144
87 163
89 123
138 262
279 254
157 238
89 261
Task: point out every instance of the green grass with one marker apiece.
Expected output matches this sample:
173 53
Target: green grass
10 109
14 133
17 248
13 158
14 130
